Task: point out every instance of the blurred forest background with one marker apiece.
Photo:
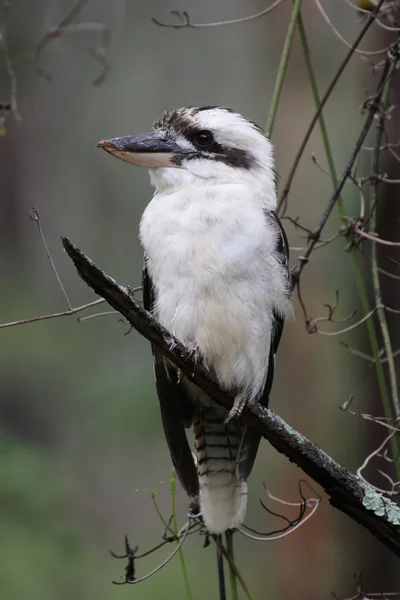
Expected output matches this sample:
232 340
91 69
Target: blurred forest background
80 430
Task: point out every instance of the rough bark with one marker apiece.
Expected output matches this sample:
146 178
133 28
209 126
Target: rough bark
345 490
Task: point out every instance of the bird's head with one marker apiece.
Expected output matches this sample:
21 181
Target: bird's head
199 145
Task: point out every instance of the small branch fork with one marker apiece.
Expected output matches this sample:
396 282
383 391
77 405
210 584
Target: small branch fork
192 526
381 452
291 524
347 493
372 106
70 310
355 230
195 526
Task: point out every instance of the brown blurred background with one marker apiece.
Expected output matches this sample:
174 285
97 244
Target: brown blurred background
79 424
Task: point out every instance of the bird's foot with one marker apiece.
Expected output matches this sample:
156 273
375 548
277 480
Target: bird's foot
237 409
194 352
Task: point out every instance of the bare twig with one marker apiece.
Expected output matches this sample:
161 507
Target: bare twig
369 236
341 38
65 313
130 578
350 327
368 459
383 421
106 313
34 215
312 503
324 99
372 107
291 524
185 19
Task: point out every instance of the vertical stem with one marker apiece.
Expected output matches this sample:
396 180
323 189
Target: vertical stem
354 257
287 47
375 273
234 568
232 574
172 485
220 567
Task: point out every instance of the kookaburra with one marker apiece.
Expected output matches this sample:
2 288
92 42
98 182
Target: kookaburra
216 277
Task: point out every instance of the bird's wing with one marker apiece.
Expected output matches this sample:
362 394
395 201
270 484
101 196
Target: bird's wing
251 437
177 410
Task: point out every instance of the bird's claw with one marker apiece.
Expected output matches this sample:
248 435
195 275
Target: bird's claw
237 409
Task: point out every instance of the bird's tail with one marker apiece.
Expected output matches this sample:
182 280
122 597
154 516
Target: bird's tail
223 496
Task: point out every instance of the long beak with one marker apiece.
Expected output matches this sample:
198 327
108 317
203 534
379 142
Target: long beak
143 150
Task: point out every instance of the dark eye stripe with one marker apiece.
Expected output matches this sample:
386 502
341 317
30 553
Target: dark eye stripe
180 123
233 157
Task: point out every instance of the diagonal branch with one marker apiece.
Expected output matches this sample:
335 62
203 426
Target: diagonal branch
345 490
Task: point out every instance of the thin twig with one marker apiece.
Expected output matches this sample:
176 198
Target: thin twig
65 313
101 314
350 327
313 503
322 103
185 20
371 236
373 107
108 312
34 215
368 459
182 537
341 38
291 524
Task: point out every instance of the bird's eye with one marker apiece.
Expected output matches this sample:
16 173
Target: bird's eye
203 138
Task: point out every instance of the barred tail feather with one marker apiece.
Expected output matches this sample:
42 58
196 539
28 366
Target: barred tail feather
223 496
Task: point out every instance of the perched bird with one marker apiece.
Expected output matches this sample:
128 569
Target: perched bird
216 276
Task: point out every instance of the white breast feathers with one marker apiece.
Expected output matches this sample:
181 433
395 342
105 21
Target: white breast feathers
211 255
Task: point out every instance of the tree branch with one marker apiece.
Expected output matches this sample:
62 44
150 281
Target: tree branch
346 492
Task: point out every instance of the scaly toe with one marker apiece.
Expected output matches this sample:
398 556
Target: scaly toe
237 409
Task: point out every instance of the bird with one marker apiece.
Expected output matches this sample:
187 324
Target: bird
216 276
